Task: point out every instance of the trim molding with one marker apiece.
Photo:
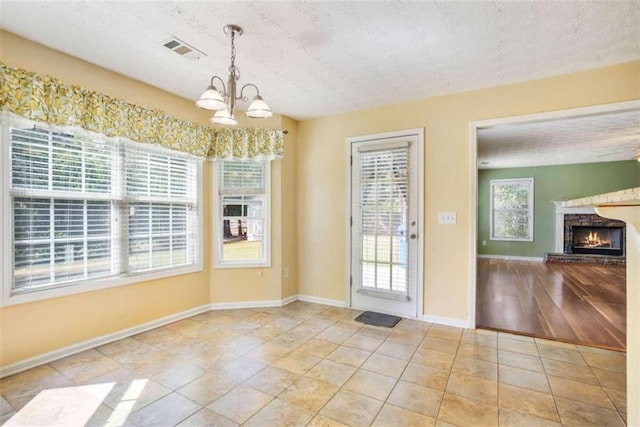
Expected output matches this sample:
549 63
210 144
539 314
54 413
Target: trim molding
323 301
512 257
288 300
246 304
447 321
254 304
32 362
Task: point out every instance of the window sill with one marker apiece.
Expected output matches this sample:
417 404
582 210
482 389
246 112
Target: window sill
219 265
96 284
510 239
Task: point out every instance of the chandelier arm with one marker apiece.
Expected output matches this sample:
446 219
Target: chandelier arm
242 97
224 88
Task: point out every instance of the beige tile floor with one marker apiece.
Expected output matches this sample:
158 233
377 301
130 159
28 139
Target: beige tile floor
309 364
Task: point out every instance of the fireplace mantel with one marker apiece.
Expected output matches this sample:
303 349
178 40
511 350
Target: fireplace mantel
628 197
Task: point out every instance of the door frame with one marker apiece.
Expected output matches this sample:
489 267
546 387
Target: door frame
419 134
473 173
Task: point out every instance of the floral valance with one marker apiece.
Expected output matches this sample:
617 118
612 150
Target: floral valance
247 144
48 100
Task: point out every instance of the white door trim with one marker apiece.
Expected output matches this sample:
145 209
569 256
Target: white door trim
419 133
473 172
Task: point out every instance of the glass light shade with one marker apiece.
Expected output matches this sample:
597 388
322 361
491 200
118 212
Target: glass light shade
222 117
211 100
259 109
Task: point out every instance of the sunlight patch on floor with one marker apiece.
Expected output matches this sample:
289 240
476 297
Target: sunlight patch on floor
62 406
122 411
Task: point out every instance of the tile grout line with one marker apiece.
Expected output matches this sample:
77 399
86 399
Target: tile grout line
546 377
600 383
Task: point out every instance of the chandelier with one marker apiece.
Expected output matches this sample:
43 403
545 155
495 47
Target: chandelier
224 101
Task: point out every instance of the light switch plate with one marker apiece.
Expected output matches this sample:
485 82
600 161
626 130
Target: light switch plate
447 218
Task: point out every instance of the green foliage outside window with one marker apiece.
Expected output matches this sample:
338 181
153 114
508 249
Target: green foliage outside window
512 209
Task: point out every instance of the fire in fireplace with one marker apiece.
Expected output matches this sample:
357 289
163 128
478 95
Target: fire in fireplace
597 240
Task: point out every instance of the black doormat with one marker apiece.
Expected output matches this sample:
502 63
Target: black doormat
378 319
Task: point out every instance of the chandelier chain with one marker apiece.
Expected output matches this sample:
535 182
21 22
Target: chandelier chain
232 68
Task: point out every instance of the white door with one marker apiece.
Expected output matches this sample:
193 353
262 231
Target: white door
385 224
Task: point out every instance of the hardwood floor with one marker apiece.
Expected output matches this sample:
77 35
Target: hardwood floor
578 303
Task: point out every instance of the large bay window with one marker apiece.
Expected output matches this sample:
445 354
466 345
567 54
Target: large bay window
83 212
242 214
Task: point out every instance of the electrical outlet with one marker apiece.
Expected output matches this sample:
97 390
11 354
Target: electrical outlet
447 218
286 272
484 243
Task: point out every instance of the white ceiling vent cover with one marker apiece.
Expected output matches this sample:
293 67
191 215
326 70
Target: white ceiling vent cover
182 48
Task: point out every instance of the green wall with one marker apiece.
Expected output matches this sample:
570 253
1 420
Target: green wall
551 183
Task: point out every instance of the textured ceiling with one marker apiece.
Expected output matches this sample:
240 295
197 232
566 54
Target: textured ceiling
318 58
588 139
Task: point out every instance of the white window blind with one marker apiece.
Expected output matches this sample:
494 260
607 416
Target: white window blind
243 177
85 209
384 209
162 210
243 215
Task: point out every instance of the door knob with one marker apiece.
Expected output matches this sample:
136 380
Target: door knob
413 235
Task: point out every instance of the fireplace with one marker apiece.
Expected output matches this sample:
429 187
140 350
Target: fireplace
591 234
597 240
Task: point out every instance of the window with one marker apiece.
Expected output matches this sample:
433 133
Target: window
512 209
242 214
85 213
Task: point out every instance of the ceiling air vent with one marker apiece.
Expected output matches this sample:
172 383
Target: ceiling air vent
183 49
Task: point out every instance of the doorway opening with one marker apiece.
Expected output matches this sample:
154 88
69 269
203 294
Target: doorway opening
512 288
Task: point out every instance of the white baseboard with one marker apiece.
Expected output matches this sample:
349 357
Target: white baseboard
319 300
512 257
246 304
446 321
32 362
289 300
254 304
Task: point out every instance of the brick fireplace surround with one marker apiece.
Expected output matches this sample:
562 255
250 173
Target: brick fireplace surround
565 219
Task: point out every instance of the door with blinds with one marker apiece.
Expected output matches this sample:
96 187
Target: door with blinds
385 229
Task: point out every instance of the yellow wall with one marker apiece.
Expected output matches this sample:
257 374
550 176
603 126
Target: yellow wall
31 329
322 181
